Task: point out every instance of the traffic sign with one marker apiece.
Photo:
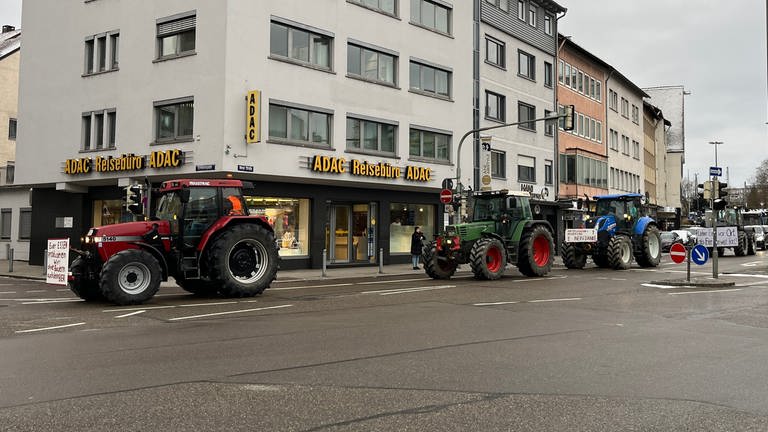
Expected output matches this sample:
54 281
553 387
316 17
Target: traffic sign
677 252
699 254
715 171
446 196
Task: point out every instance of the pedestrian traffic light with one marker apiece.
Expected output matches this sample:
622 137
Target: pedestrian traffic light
133 199
568 119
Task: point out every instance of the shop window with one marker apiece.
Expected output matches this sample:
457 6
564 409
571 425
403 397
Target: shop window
404 218
107 212
289 217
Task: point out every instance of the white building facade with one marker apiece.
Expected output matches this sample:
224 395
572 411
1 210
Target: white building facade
345 114
624 125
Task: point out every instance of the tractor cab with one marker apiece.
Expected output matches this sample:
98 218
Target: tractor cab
618 212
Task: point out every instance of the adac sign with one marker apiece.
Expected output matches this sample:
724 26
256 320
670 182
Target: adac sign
127 162
339 165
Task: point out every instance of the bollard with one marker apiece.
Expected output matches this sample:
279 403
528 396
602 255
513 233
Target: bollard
7 250
45 262
10 260
325 253
381 261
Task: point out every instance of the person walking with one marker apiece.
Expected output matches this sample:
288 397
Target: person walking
416 244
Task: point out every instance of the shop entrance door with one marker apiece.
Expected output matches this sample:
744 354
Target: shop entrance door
352 234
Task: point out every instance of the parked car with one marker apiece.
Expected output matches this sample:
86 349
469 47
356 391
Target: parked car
675 236
760 232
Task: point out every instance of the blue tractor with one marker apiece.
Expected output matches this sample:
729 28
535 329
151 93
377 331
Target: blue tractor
619 230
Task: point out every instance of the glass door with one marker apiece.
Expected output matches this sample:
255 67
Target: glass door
340 247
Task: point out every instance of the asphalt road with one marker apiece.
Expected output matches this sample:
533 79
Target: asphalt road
591 350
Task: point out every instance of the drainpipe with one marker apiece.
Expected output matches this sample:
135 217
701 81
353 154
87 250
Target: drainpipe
556 82
607 129
475 96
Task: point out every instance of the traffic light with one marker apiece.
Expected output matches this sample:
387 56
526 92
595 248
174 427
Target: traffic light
133 199
568 119
719 194
706 190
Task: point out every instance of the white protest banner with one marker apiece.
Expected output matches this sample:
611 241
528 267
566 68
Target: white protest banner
726 236
580 235
57 268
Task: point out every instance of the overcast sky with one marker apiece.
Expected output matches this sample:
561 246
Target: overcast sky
717 51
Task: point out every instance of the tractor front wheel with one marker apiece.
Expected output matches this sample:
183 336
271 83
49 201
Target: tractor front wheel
434 266
573 258
86 289
536 252
488 259
129 277
741 249
243 260
620 252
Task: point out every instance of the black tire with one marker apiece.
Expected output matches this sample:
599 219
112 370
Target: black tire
199 287
720 251
648 248
573 258
86 289
751 245
536 252
488 259
243 260
600 257
130 277
435 267
620 252
741 249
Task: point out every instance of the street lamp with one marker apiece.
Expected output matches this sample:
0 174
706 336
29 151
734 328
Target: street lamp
716 143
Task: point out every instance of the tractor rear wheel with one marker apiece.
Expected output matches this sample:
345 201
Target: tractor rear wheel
86 289
620 252
243 260
573 258
488 259
435 267
648 249
130 277
536 252
741 249
198 287
720 251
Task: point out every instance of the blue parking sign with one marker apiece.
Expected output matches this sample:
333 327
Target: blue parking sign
700 254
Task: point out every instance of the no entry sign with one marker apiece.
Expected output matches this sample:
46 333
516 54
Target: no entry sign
446 196
677 252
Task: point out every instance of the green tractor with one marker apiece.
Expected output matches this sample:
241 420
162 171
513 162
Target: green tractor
501 230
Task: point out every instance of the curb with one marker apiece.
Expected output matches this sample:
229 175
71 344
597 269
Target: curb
695 283
14 276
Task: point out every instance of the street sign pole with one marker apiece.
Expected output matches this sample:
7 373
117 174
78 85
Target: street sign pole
715 187
688 262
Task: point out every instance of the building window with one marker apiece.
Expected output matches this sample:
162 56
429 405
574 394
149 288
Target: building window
96 55
501 4
624 108
625 145
300 45
521 10
598 88
176 37
404 218
525 113
12 125
25 224
614 140
567 80
526 65
5 223
371 136
549 125
548 25
429 79
526 169
635 114
613 100
548 172
98 128
495 52
498 164
580 84
298 125
495 106
431 15
598 131
430 145
371 65
548 74
386 6
289 217
635 149
174 121
560 69
532 15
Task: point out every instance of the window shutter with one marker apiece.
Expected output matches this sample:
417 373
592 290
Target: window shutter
176 26
25 224
5 223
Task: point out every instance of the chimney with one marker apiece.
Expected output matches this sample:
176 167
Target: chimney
8 28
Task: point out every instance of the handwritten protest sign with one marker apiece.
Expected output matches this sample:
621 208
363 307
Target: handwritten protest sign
58 262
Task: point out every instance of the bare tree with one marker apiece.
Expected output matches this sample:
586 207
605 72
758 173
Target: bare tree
757 195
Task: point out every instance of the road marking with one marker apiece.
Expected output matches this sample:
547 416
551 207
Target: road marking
704 292
539 279
36 291
752 264
554 300
670 263
650 285
617 279
131 314
405 290
747 275
49 328
229 312
7 292
62 289
392 281
208 304
310 286
495 303
137 308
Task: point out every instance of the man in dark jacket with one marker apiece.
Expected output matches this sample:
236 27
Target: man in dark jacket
417 240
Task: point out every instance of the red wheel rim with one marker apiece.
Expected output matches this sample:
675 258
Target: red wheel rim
541 251
493 259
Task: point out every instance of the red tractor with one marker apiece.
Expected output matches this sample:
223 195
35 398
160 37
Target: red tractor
201 235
